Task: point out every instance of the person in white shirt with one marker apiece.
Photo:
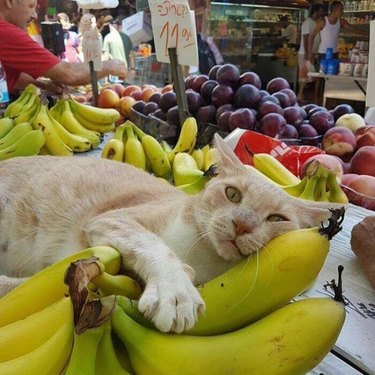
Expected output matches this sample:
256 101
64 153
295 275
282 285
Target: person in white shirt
316 13
289 32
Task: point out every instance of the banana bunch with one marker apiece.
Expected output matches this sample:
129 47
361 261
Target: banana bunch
19 140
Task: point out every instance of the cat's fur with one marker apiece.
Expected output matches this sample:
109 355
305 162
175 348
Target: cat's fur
53 206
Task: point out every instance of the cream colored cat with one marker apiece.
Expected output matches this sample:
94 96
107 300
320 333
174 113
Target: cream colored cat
53 206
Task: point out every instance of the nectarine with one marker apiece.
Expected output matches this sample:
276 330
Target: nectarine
339 141
108 98
125 105
363 161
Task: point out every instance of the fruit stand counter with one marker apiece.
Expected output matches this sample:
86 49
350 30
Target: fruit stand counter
356 342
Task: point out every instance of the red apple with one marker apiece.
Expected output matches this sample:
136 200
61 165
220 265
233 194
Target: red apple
339 141
363 161
108 98
125 104
333 163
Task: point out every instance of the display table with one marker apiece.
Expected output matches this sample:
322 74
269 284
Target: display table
340 87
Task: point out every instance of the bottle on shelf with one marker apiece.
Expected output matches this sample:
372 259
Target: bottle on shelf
4 95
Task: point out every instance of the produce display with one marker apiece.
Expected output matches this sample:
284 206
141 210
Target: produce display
75 316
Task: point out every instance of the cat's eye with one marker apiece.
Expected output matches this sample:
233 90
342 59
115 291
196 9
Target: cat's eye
276 217
233 194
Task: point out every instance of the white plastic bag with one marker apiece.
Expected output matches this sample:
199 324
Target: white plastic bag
97 4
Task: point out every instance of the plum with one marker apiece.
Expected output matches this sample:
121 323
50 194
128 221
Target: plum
225 108
272 124
222 94
173 116
307 131
292 95
168 100
150 107
206 114
322 121
198 81
206 89
294 115
213 71
342 109
246 96
277 84
283 99
288 132
194 100
223 121
228 74
155 97
268 107
250 78
242 118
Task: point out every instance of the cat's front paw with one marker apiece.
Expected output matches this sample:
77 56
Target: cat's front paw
172 305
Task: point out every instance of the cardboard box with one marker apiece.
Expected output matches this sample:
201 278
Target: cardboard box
138 28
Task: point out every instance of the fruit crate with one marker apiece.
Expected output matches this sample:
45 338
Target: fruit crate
149 70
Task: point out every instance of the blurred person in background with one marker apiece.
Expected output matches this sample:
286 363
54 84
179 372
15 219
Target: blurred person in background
316 13
289 31
71 40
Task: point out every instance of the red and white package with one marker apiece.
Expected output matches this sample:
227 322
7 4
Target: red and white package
245 142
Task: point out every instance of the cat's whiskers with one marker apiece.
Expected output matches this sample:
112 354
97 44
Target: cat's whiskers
193 241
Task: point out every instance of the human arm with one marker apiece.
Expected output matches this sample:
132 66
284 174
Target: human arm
319 26
346 25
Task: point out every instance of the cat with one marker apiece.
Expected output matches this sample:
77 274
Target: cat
51 207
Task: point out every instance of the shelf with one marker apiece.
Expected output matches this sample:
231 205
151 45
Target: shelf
359 11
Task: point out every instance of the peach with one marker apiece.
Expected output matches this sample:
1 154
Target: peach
108 98
363 184
339 141
367 137
117 87
346 178
363 161
137 95
125 105
147 92
333 163
352 121
363 130
129 89
167 88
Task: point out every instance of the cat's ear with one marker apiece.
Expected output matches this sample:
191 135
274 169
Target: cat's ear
227 161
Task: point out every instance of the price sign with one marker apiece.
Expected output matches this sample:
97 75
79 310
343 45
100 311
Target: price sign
92 49
173 26
370 97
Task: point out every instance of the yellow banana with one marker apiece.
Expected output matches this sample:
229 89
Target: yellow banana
198 156
75 142
47 286
166 146
134 152
297 189
25 335
290 340
55 111
15 107
187 138
121 353
54 144
105 116
118 285
6 125
185 169
195 187
113 150
85 347
94 126
107 362
27 116
49 358
209 158
15 134
273 169
336 194
66 118
29 144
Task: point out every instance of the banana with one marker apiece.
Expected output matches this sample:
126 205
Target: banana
187 138
75 142
27 116
297 189
29 144
113 150
121 353
83 357
15 107
6 125
166 146
25 335
118 285
185 169
134 152
32 101
15 134
107 362
47 286
273 169
310 187
198 156
54 144
48 358
66 118
94 126
335 192
195 187
104 116
291 340
209 158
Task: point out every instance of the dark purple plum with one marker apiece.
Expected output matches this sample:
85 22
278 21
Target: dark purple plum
250 78
139 106
283 99
242 118
342 109
222 94
155 97
322 121
288 132
294 116
246 96
206 89
292 95
160 114
225 108
194 100
269 98
272 124
228 74
269 107
206 114
167 100
198 81
173 116
150 107
223 121
277 84
307 131
213 71
189 81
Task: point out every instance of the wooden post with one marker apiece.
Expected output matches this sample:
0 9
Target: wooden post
178 85
94 83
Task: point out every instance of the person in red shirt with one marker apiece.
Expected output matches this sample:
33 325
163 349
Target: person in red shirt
25 60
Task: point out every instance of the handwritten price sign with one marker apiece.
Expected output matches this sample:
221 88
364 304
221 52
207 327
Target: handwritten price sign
173 26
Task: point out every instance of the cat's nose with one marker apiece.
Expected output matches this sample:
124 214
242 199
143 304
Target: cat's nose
242 226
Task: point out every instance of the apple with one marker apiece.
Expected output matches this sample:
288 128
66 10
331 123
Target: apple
206 89
363 161
292 95
363 184
294 115
129 89
250 78
339 141
342 109
246 96
222 94
125 104
272 124
322 121
108 98
167 100
333 163
352 121
347 177
242 118
277 84
269 107
228 74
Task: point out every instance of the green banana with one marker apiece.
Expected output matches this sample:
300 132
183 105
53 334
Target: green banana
29 144
195 187
107 362
48 358
309 190
6 125
15 134
25 335
134 152
15 107
27 116
83 358
335 194
290 340
297 189
185 169
47 286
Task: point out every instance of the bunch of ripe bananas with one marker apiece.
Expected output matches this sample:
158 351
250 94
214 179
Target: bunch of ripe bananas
183 164
250 326
68 127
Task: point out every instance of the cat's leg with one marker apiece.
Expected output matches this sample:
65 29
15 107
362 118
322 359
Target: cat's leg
170 299
7 284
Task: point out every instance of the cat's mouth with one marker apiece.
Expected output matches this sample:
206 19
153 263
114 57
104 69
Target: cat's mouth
237 249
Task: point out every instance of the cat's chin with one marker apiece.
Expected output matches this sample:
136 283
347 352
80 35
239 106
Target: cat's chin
229 251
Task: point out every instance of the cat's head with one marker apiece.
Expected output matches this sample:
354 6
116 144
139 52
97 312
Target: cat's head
240 211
